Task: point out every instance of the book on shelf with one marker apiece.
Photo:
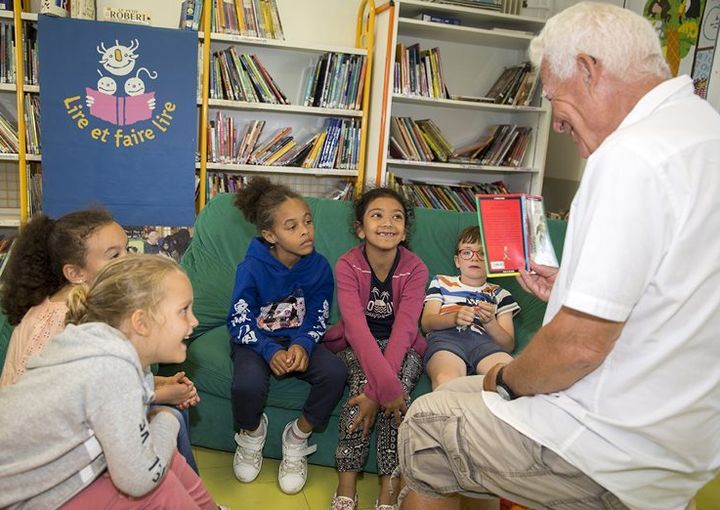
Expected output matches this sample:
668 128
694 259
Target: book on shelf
438 18
472 99
336 80
514 232
419 72
242 77
336 146
500 145
158 13
32 123
34 180
516 85
248 18
82 9
9 143
419 140
451 197
7 53
493 5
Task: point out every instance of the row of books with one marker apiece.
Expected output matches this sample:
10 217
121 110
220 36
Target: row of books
335 146
34 179
418 140
493 5
7 54
418 73
9 143
500 145
242 77
336 80
250 18
516 85
454 197
218 182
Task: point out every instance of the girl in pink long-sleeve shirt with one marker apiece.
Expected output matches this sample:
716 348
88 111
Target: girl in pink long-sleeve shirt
381 287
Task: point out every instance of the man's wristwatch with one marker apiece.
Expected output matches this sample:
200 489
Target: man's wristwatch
502 388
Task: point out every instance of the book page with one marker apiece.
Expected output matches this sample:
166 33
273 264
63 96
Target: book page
501 226
539 243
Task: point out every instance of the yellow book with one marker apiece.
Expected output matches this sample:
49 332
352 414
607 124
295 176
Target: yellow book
240 17
279 153
311 160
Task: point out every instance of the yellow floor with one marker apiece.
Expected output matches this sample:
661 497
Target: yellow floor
264 493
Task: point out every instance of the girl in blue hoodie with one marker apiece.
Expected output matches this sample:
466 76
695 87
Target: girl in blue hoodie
279 312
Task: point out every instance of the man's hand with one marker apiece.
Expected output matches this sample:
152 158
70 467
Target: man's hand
297 359
397 407
278 363
539 284
464 316
367 410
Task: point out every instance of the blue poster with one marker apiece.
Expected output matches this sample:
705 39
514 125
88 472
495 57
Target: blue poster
119 120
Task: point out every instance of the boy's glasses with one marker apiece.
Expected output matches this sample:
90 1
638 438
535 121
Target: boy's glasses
467 254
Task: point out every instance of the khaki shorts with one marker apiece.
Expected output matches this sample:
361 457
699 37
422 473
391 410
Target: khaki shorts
450 443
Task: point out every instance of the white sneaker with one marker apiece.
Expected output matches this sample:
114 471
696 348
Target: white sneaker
248 454
292 474
343 502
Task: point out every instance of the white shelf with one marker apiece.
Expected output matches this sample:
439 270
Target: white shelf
283 108
29 16
464 35
5 14
464 105
16 157
11 87
286 170
455 167
471 16
282 44
9 217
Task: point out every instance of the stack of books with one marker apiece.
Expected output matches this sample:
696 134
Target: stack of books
9 143
336 80
32 123
419 140
250 18
242 77
418 73
224 183
336 146
516 86
501 145
449 197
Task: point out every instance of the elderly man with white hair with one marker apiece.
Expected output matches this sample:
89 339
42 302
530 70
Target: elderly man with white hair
615 402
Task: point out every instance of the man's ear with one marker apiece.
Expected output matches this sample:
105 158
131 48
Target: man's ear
589 69
74 274
269 236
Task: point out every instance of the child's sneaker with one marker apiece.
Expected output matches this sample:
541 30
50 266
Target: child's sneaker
292 474
378 506
248 454
343 502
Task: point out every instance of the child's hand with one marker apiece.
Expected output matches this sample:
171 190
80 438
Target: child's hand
297 359
278 363
397 407
465 316
485 311
367 410
174 393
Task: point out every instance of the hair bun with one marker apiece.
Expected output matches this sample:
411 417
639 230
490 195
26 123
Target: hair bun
77 303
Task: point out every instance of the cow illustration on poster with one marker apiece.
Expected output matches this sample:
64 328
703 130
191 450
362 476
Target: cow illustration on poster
119 120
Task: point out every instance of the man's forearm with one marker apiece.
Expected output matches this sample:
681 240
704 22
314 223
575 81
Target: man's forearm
564 351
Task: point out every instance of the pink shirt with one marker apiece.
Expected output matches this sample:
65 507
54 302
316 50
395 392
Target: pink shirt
353 278
30 337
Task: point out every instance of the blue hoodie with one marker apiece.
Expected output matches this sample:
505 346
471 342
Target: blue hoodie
271 302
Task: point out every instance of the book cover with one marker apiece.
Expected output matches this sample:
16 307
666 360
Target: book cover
123 110
514 232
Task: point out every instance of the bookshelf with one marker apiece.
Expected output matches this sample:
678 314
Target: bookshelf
473 56
307 36
288 62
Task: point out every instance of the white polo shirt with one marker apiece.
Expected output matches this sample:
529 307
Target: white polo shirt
643 247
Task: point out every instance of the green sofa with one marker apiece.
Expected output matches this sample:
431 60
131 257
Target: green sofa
219 243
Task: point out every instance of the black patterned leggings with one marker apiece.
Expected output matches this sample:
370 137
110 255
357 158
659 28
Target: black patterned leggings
352 450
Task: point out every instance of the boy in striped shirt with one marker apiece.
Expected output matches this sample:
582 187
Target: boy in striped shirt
468 321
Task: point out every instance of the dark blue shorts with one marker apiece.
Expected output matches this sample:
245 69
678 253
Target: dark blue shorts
468 345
